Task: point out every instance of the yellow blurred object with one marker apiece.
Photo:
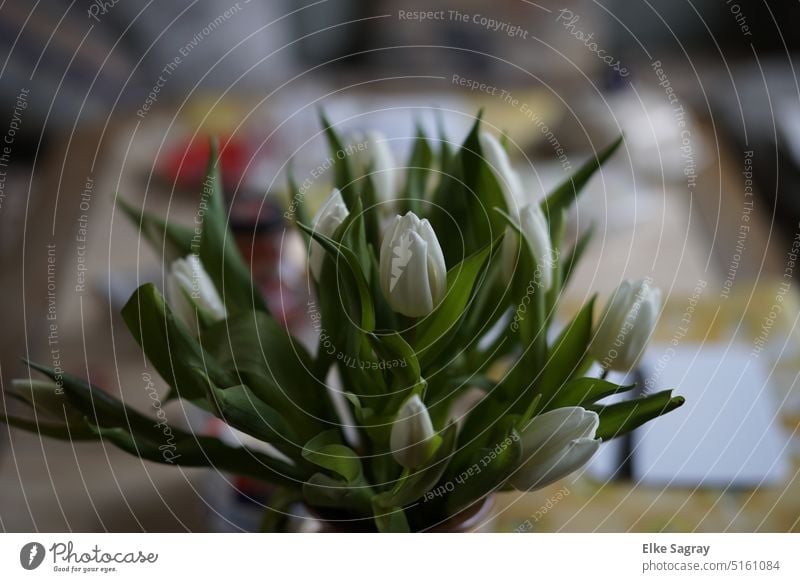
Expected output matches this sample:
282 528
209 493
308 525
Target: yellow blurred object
215 116
540 111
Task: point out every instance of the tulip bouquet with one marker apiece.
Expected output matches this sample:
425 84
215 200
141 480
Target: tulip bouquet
435 382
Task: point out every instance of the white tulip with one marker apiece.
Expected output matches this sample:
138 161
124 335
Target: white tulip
412 434
370 152
533 225
555 444
46 397
413 274
625 326
500 165
327 219
190 291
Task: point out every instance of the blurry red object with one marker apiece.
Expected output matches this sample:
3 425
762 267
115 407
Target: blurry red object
185 165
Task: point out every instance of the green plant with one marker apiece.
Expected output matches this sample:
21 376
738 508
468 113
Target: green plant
410 320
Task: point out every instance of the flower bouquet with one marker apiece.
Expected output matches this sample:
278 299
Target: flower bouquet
436 381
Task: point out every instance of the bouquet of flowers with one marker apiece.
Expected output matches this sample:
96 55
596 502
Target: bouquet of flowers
434 304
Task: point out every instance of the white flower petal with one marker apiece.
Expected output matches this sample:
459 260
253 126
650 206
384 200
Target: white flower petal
626 325
541 473
506 176
412 430
330 215
555 444
413 274
189 288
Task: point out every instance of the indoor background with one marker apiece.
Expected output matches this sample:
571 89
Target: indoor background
118 98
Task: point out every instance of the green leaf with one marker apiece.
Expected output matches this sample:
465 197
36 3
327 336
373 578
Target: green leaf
385 317
569 264
528 413
389 519
326 451
565 194
567 353
623 417
341 253
343 310
342 176
322 490
243 410
489 304
471 155
172 241
556 222
442 391
529 322
218 251
444 152
585 391
438 329
482 191
360 368
418 172
169 346
352 234
262 355
505 141
181 449
530 318
97 406
479 428
345 341
392 348
155 440
454 201
494 464
64 432
277 512
367 209
414 486
377 426
296 200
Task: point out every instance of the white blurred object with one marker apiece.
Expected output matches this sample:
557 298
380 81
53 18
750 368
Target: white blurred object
727 434
789 127
661 138
612 200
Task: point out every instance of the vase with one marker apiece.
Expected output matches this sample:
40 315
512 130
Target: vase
473 519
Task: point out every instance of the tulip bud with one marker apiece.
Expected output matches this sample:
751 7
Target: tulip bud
327 219
625 327
412 438
191 292
536 233
413 274
508 179
46 397
371 153
555 444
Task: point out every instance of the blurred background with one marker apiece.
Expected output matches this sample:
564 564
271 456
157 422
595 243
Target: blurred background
111 98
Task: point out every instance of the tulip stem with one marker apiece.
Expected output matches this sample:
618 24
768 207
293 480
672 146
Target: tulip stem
403 476
321 366
408 325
